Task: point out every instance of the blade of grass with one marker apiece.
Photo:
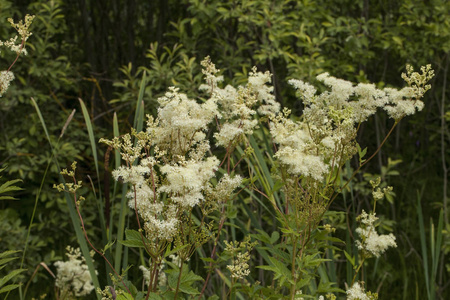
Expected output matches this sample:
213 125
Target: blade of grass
92 141
72 212
139 114
348 242
267 180
36 202
436 250
423 246
31 223
99 200
123 202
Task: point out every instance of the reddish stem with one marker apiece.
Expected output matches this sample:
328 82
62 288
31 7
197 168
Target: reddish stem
18 54
90 244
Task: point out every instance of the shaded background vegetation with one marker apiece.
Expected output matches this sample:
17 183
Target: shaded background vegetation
98 51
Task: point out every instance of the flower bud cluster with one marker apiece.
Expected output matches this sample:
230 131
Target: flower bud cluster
22 28
240 252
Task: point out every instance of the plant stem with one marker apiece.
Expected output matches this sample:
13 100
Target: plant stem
294 250
89 241
213 253
364 163
179 278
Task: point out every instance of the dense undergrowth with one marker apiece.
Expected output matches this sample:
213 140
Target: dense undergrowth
96 68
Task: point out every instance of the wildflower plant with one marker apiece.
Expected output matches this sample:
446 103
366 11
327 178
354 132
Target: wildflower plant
73 278
240 254
18 47
188 165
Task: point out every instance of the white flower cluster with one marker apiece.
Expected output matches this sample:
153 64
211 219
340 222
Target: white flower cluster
224 188
23 30
175 168
357 292
407 100
372 244
187 180
238 106
297 149
5 78
240 252
325 136
73 276
239 268
181 123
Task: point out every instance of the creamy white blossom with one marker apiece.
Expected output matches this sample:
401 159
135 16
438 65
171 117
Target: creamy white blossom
306 90
356 292
371 242
325 135
187 180
134 175
5 78
239 106
225 187
73 276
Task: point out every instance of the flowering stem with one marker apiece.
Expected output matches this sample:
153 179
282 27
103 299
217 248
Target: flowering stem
139 225
213 253
357 270
89 241
230 292
365 162
18 54
293 268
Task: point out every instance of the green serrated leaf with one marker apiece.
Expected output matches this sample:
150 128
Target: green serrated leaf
172 251
9 187
124 297
109 245
11 275
9 288
361 153
134 239
275 236
6 260
154 296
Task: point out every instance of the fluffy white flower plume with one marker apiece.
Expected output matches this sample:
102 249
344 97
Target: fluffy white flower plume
73 276
5 78
371 242
325 136
187 180
356 292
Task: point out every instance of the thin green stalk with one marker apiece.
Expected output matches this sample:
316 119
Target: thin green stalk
99 200
361 165
31 224
423 247
73 216
179 280
294 250
123 202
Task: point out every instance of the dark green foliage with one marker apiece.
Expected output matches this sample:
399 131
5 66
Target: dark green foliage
98 50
